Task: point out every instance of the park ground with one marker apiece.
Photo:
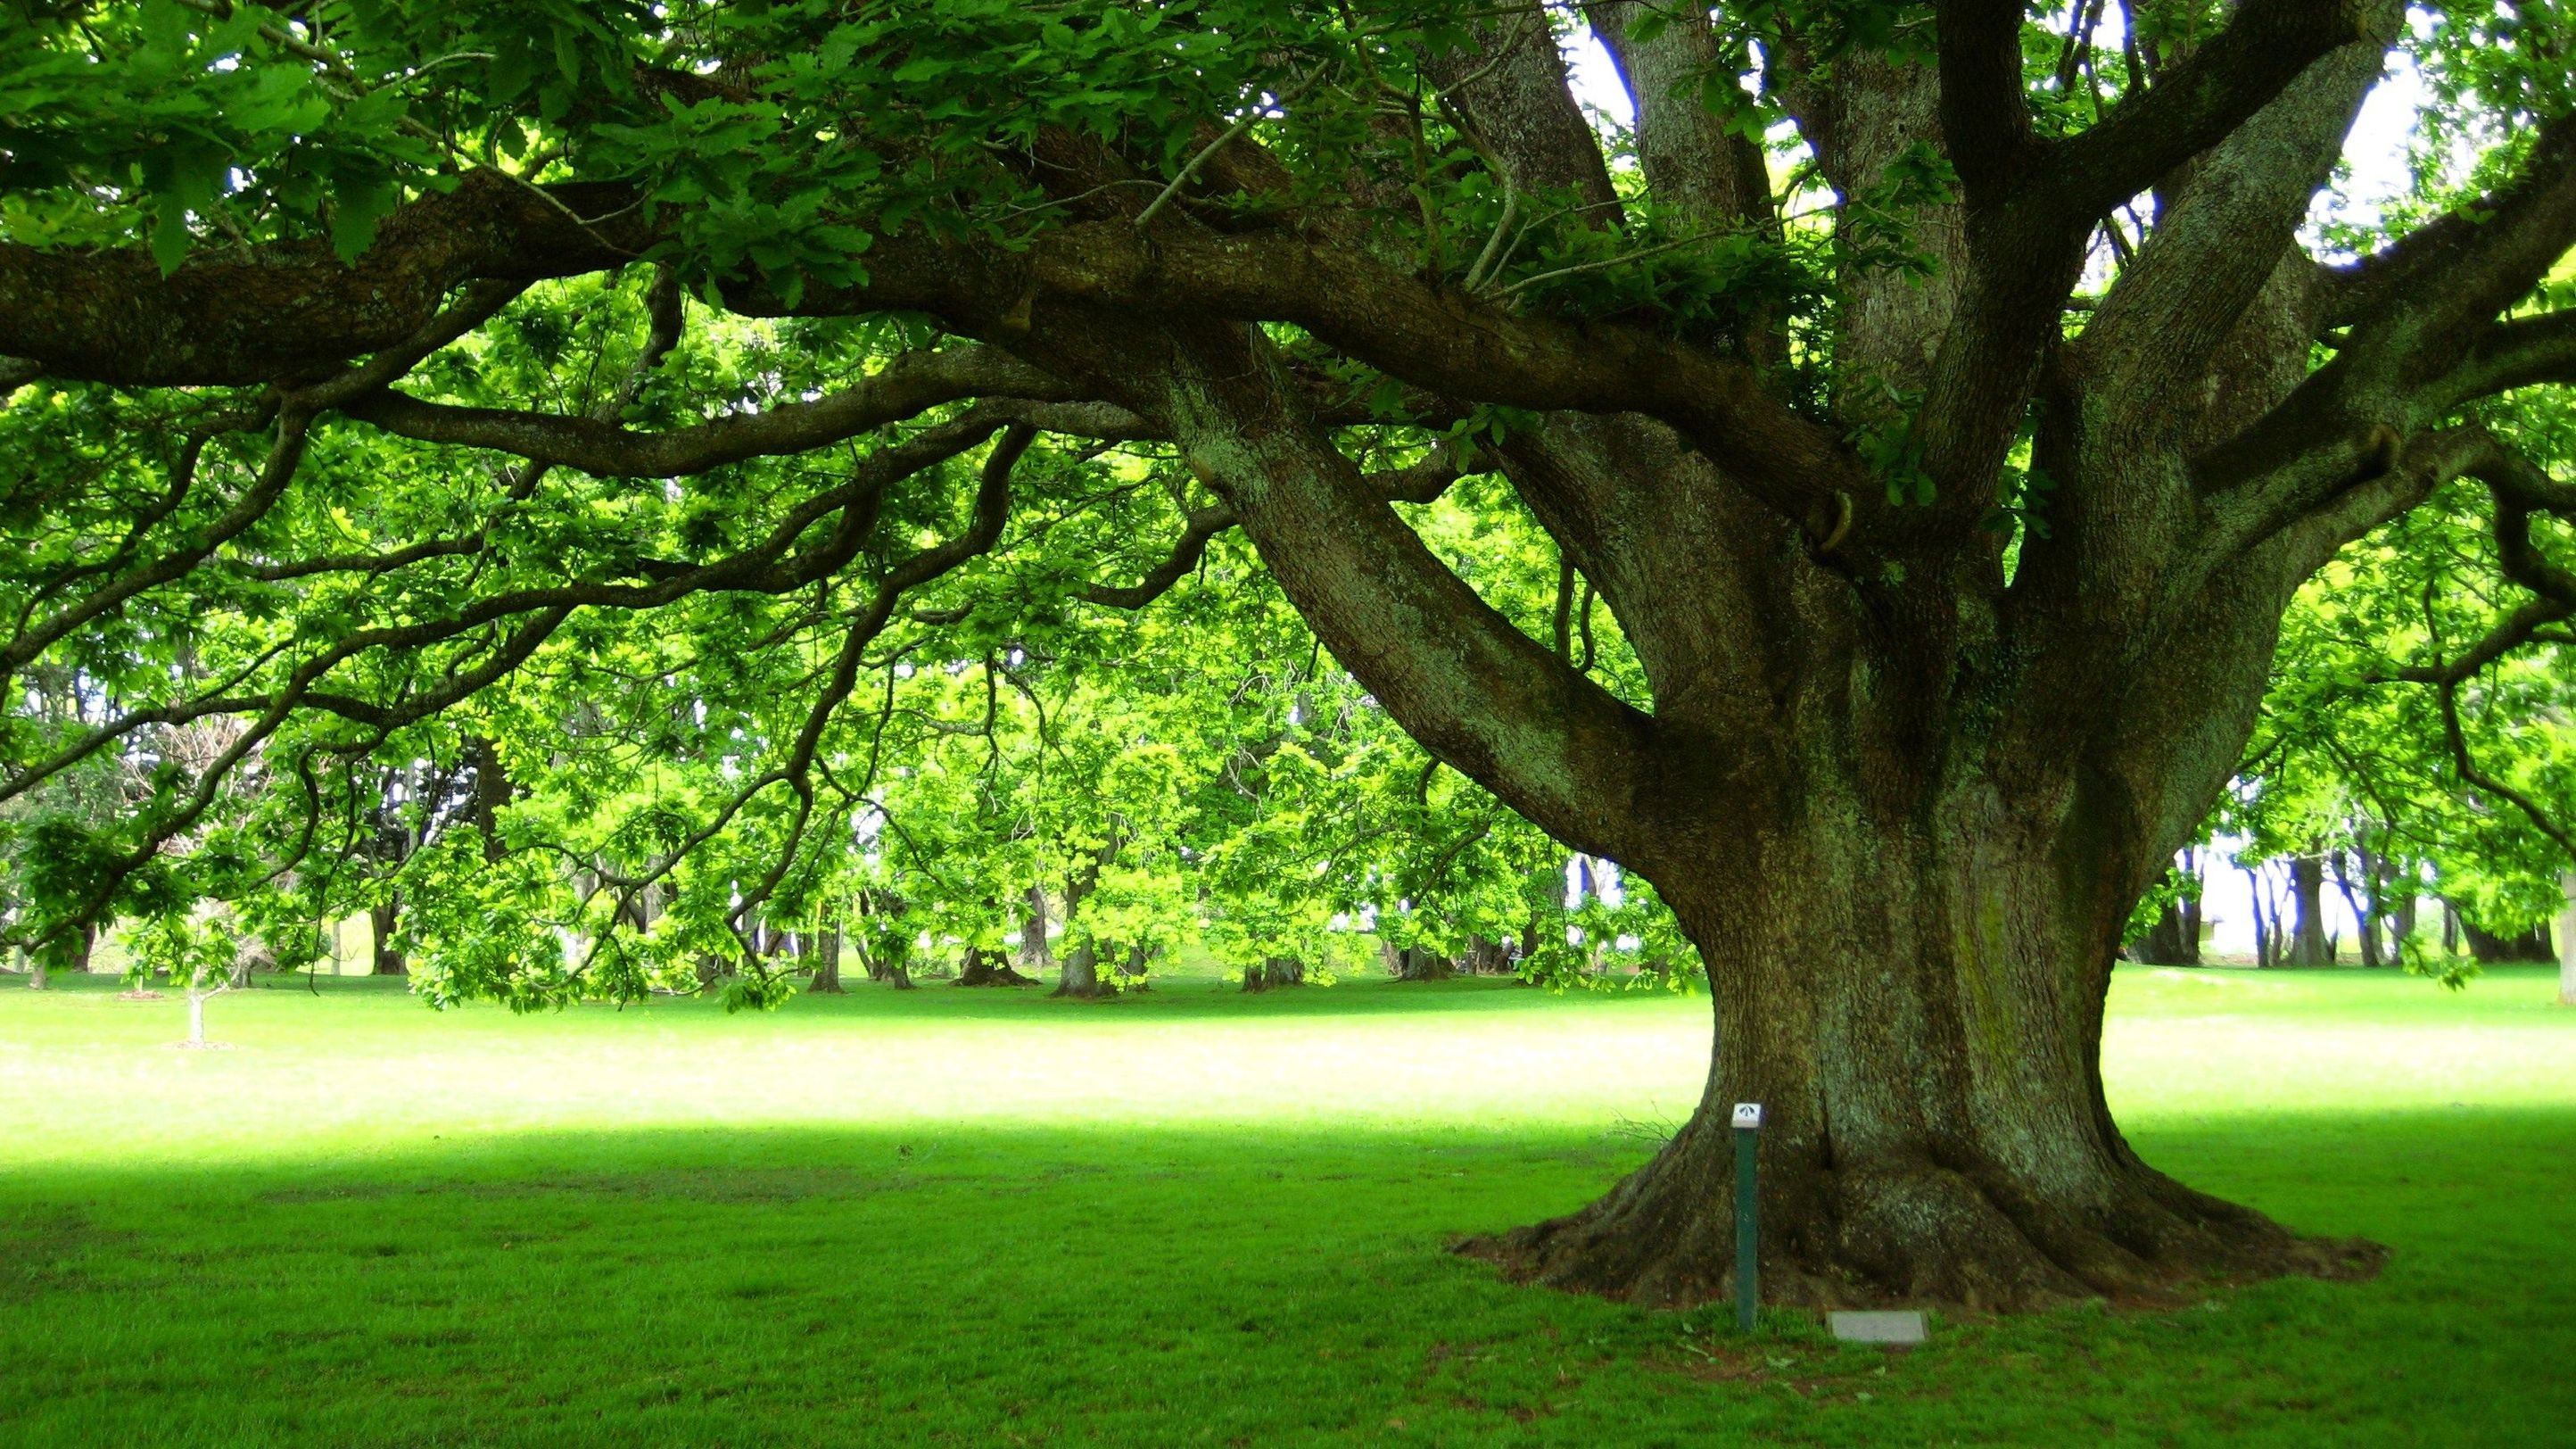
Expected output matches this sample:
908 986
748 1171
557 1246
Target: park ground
1186 1217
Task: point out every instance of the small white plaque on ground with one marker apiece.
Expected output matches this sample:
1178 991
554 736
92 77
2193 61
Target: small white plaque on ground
1904 1327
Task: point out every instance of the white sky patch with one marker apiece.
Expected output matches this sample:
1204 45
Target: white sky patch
2374 153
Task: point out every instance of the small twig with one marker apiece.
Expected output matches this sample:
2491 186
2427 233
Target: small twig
1191 167
1618 261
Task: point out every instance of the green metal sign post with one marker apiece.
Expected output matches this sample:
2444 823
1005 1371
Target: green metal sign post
1748 1227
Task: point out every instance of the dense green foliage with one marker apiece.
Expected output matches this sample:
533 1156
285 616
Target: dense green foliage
881 1218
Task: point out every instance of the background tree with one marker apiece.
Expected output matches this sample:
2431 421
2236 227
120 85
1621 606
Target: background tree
1948 480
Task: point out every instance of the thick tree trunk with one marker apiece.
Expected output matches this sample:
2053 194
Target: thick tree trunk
384 916
1078 972
1276 971
1415 963
37 980
827 962
1035 955
977 966
2308 943
1921 1020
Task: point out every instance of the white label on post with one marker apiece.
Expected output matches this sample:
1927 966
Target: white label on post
1748 1115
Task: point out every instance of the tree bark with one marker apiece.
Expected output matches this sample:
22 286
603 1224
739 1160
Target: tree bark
2490 949
827 961
2263 932
2363 901
1274 972
1035 954
1078 973
1921 1020
1416 963
2171 941
37 980
384 916
2567 941
2308 943
977 966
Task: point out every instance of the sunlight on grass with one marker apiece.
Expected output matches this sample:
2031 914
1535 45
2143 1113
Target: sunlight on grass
1184 1217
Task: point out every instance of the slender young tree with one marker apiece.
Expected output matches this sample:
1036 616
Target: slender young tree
1947 480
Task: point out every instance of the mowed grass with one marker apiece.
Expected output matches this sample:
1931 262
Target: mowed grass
1190 1217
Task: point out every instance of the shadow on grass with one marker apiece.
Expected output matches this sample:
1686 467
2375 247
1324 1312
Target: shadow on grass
1125 1284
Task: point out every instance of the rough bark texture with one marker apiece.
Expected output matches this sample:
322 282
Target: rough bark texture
1920 735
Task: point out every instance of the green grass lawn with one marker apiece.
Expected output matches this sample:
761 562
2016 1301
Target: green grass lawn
1191 1217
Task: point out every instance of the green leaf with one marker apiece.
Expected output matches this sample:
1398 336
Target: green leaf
359 206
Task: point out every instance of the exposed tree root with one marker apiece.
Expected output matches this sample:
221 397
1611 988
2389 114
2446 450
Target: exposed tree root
1926 1236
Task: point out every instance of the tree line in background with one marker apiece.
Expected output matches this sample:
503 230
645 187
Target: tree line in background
609 489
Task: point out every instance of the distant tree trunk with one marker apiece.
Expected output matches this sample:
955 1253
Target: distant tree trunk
199 993
827 961
384 916
2262 925
1273 972
2567 941
1487 957
36 978
491 793
712 970
1078 972
1035 954
1415 963
2450 928
84 941
249 954
2364 903
2402 919
2173 940
2308 943
1131 968
978 966
2493 950
890 971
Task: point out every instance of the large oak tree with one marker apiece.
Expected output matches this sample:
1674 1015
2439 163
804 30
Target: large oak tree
1946 460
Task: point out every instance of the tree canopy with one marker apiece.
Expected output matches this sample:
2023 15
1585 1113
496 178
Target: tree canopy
1859 490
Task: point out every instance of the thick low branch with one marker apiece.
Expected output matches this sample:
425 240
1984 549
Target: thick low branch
1463 347
2196 104
907 386
293 310
2524 352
